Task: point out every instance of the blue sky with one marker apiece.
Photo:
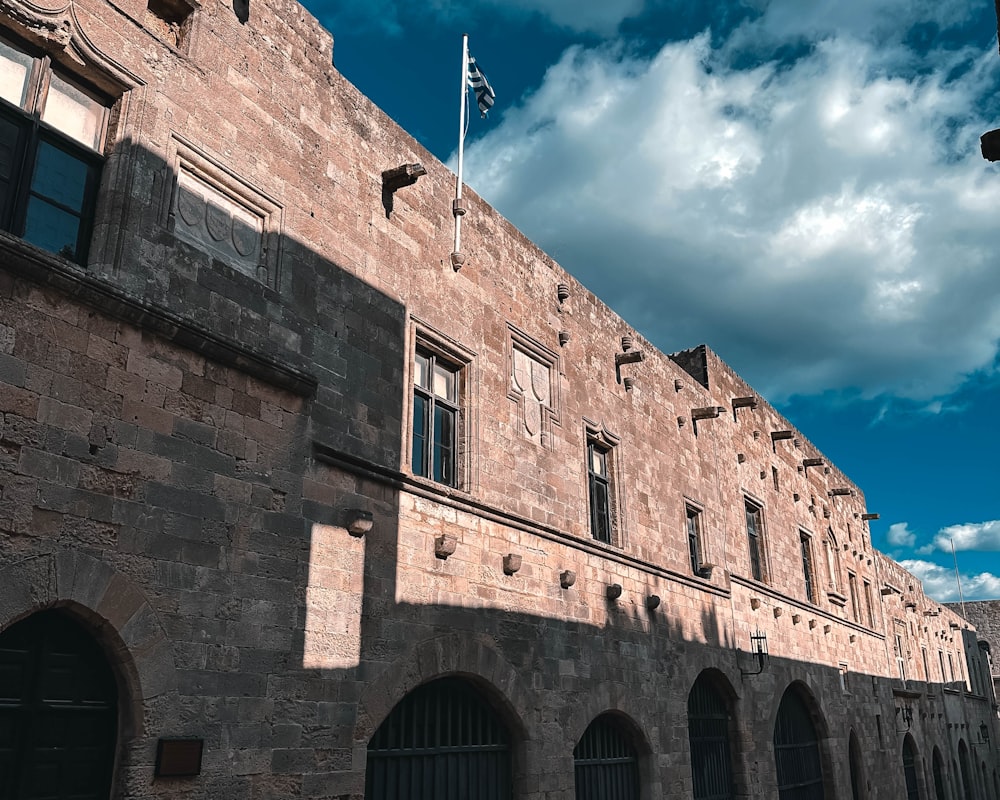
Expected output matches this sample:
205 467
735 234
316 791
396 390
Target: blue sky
797 184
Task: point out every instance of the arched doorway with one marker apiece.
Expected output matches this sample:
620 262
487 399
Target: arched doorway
606 763
443 741
937 767
910 768
58 711
796 750
708 733
963 765
856 764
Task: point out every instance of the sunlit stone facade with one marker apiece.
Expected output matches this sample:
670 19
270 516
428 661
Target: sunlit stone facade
286 468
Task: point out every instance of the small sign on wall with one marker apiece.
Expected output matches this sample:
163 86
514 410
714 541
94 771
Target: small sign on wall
178 758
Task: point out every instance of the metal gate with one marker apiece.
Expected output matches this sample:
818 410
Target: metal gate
910 770
58 712
708 732
441 742
796 751
606 763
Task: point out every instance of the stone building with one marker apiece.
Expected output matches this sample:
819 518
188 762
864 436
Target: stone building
290 507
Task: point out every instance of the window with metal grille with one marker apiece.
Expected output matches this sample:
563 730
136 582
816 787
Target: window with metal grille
606 763
599 486
755 535
938 770
58 711
910 769
52 134
708 733
796 751
435 417
805 543
441 742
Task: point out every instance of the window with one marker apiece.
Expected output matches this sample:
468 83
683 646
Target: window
755 535
51 135
796 751
899 648
599 484
708 734
435 418
869 606
694 538
606 763
852 587
807 566
941 664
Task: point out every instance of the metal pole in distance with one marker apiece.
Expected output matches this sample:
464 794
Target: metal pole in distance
457 259
958 577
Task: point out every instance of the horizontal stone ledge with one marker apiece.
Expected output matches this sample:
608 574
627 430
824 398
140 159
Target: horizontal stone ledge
46 269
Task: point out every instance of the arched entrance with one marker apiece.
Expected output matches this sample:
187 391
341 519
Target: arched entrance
910 768
856 764
796 750
606 763
442 741
937 767
963 764
58 711
708 734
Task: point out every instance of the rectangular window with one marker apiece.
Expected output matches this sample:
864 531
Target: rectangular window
599 484
694 538
941 663
843 677
927 666
51 136
869 606
755 539
435 418
899 648
852 586
807 566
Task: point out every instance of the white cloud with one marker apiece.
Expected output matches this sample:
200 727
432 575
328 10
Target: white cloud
823 225
939 582
899 535
983 536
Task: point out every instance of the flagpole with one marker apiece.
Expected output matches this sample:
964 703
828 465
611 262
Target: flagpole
457 259
958 577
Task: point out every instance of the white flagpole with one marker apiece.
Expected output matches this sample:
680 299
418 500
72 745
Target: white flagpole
958 577
457 259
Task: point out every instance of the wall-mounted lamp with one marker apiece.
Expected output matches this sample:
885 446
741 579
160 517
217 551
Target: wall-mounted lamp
905 714
758 648
983 736
359 521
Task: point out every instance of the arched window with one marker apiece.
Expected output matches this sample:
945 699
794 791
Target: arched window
708 732
796 751
442 741
606 762
857 768
937 767
58 711
910 769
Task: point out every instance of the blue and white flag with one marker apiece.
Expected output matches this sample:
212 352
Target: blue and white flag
484 92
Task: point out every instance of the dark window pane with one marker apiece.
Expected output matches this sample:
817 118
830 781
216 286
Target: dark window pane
11 158
51 228
419 456
601 517
60 177
444 438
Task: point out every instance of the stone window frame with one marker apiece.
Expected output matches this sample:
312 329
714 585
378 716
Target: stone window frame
184 155
809 566
517 339
757 540
421 336
597 436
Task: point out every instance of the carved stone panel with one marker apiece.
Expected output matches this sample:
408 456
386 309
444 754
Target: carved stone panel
531 387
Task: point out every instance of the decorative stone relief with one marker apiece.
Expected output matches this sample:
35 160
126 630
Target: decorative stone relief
223 215
532 381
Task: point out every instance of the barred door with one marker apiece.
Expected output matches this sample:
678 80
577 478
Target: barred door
708 732
796 751
606 763
441 742
58 712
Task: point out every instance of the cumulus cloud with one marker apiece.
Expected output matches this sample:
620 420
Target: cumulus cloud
824 224
899 535
939 582
983 536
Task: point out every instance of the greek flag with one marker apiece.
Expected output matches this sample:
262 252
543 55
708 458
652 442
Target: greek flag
484 92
